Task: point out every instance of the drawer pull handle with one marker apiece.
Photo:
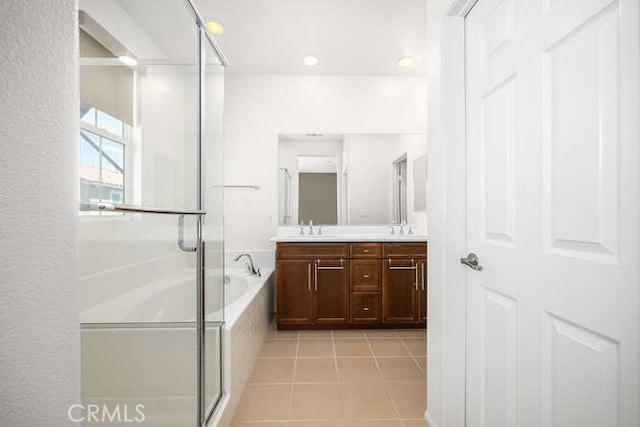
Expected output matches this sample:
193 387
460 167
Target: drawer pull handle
366 276
365 309
413 266
341 267
366 251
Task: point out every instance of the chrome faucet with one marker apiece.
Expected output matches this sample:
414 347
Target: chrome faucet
310 227
250 267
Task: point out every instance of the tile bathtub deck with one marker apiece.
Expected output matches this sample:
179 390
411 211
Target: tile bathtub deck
347 378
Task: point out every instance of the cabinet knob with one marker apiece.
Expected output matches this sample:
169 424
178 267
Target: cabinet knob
366 276
366 251
365 309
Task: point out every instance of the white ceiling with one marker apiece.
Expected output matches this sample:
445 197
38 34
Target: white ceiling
350 37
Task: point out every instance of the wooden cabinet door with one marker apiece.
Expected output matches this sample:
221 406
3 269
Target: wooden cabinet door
294 292
422 292
399 289
331 291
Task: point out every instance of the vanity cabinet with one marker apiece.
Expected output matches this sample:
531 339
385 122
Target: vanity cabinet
404 283
357 284
312 284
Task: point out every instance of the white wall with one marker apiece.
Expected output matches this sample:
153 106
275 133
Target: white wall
258 108
40 332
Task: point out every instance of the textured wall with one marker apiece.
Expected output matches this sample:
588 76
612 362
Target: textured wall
39 328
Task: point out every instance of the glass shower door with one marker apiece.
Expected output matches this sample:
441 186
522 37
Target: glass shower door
143 177
213 192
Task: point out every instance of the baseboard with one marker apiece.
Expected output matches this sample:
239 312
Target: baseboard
428 420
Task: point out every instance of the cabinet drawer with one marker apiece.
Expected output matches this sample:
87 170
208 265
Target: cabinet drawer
365 308
365 250
365 275
411 250
312 250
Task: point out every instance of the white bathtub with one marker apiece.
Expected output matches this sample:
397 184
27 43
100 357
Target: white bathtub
139 347
172 299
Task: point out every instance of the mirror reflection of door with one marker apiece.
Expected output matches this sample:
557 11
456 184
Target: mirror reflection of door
318 189
400 190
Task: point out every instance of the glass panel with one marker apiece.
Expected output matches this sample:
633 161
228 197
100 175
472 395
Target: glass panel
157 97
213 229
138 288
89 167
138 318
112 183
110 124
88 115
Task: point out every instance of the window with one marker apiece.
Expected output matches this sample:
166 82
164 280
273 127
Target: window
103 142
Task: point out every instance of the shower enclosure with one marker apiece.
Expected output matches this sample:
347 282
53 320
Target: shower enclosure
151 214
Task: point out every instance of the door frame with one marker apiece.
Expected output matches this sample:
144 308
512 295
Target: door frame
446 387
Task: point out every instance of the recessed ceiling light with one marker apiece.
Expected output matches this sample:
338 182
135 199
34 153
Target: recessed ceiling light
215 27
405 62
310 60
127 60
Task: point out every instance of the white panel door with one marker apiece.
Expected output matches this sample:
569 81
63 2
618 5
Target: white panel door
553 213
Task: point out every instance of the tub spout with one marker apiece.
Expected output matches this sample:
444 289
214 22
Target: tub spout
253 271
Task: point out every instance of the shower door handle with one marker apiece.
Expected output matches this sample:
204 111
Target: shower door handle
181 236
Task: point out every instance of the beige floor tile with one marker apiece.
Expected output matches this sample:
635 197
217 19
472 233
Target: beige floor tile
312 335
317 423
401 369
412 333
259 424
316 402
414 423
278 348
410 399
372 423
348 333
358 370
264 402
274 334
352 348
362 400
379 333
316 370
418 348
273 371
315 348
388 347
422 361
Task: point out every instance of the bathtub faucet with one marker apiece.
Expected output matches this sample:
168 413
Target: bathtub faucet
250 267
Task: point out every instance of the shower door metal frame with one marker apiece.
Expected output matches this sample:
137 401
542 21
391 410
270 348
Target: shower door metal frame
202 416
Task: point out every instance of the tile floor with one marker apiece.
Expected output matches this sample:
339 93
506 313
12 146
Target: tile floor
348 378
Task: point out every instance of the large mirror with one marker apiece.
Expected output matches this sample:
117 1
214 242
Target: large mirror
351 179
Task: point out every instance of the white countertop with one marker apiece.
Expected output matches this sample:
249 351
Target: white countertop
348 234
344 238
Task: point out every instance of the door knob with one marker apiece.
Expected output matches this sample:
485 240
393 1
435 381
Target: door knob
472 261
